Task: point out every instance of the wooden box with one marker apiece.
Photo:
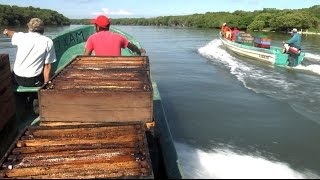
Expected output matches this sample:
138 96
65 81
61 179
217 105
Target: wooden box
99 89
7 101
79 151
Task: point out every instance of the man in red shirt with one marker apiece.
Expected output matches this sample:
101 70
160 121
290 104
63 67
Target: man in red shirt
234 34
107 43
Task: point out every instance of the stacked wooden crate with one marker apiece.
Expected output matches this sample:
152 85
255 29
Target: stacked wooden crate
99 89
7 101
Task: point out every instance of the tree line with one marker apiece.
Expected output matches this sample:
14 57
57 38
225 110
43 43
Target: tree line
17 16
266 19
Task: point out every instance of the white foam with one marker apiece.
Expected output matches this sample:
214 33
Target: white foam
215 52
311 68
226 164
311 56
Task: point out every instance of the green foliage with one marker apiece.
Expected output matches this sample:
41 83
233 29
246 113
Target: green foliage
16 16
268 18
257 25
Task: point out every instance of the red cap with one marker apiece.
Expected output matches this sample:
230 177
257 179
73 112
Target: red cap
101 21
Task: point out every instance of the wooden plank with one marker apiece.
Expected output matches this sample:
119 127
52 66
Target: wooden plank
89 132
7 110
105 85
71 153
7 101
73 141
89 159
111 58
128 173
4 61
5 76
42 149
84 134
102 100
36 171
96 107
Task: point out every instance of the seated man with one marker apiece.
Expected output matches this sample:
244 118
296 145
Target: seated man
226 31
34 56
107 43
293 46
234 34
294 42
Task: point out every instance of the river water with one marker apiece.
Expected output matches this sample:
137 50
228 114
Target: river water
232 117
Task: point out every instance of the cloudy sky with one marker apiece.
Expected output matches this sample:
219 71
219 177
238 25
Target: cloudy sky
151 8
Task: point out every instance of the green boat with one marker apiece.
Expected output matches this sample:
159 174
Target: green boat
272 55
68 46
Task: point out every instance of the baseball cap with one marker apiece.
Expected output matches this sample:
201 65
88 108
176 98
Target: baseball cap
294 30
35 24
101 21
224 24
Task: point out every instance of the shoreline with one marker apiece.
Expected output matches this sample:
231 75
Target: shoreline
309 33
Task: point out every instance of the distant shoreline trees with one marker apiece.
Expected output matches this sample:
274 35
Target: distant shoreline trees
17 16
267 19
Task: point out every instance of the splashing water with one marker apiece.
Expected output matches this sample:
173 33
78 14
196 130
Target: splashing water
313 57
226 164
213 50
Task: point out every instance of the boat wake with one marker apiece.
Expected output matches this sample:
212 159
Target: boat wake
311 63
226 164
276 82
313 57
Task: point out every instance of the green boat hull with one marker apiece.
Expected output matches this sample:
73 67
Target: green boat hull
68 45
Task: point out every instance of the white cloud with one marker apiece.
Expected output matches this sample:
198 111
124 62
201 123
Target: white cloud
117 12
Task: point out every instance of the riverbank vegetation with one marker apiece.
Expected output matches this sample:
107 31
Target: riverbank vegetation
267 19
270 19
17 16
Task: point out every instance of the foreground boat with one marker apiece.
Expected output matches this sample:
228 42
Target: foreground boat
35 146
272 55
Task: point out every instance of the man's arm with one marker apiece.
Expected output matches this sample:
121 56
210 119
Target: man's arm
46 72
87 52
8 33
135 49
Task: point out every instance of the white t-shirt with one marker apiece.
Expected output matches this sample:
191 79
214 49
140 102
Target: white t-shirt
34 50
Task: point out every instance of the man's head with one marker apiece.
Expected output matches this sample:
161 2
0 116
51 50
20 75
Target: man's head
294 30
102 22
224 24
36 25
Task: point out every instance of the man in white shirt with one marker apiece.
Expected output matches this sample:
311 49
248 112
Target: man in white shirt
34 56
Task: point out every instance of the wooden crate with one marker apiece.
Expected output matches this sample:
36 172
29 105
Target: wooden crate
79 151
7 101
99 89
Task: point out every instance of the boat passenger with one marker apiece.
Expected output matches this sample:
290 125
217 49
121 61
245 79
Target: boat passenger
226 31
34 56
293 46
294 42
235 34
107 43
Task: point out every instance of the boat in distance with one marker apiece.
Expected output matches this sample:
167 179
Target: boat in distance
272 55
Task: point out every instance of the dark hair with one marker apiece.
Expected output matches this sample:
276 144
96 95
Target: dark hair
104 28
41 31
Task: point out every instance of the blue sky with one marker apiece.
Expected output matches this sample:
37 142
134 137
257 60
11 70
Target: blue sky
152 8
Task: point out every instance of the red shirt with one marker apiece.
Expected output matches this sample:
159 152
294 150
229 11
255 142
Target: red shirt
106 43
234 33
